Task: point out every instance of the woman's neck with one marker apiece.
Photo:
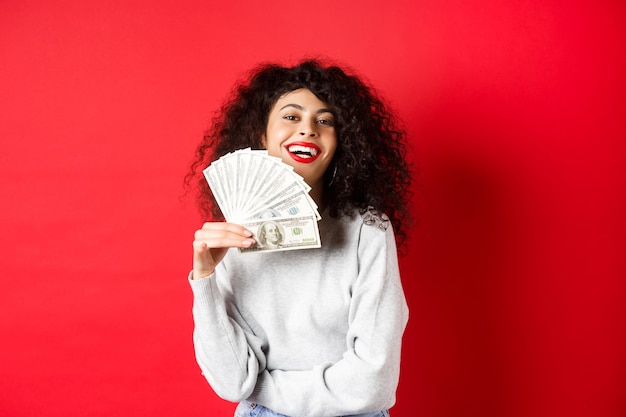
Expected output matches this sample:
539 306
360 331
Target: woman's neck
317 194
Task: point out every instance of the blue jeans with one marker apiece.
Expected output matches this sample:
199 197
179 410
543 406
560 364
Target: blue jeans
247 409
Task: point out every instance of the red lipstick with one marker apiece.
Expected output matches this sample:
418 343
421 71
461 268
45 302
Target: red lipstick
303 152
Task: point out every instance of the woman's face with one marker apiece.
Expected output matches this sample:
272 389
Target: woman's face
301 131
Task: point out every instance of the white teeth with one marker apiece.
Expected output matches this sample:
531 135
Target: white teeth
303 149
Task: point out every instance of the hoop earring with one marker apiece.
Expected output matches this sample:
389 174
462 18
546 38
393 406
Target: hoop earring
333 178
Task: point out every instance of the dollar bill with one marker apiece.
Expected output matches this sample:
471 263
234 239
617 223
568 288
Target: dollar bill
283 233
291 204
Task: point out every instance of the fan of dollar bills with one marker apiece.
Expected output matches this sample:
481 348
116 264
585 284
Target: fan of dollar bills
267 197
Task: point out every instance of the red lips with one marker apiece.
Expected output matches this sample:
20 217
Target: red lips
303 152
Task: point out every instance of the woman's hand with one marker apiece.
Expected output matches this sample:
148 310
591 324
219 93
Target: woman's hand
213 241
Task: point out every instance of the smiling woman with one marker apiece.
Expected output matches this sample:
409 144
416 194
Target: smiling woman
313 332
515 279
301 131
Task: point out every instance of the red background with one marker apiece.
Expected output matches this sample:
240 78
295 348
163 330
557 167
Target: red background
516 274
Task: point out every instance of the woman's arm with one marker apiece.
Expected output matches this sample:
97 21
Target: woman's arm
227 352
228 359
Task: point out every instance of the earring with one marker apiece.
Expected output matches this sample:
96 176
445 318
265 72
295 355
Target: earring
333 178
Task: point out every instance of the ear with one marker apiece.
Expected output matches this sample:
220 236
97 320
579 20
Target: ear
263 140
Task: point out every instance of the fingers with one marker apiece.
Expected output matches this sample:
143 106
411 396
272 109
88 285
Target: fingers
211 243
222 235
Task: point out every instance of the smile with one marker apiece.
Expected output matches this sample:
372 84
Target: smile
303 152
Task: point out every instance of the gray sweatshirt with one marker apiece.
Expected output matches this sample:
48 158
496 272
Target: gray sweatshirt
306 333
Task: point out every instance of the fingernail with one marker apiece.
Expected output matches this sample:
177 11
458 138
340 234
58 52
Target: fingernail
247 233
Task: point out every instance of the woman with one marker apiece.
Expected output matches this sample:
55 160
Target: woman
312 332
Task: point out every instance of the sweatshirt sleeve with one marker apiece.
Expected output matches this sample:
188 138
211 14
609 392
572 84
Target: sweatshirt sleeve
227 352
366 378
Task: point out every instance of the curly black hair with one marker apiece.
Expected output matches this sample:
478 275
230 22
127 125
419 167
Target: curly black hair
369 170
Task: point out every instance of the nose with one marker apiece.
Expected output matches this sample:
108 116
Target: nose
308 129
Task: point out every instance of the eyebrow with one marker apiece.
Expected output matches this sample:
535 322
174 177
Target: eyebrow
299 107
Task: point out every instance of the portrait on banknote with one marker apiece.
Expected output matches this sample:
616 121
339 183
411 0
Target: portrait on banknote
270 235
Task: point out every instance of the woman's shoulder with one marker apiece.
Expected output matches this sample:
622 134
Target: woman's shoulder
358 217
368 222
373 217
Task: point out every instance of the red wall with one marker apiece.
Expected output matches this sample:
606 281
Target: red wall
516 274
